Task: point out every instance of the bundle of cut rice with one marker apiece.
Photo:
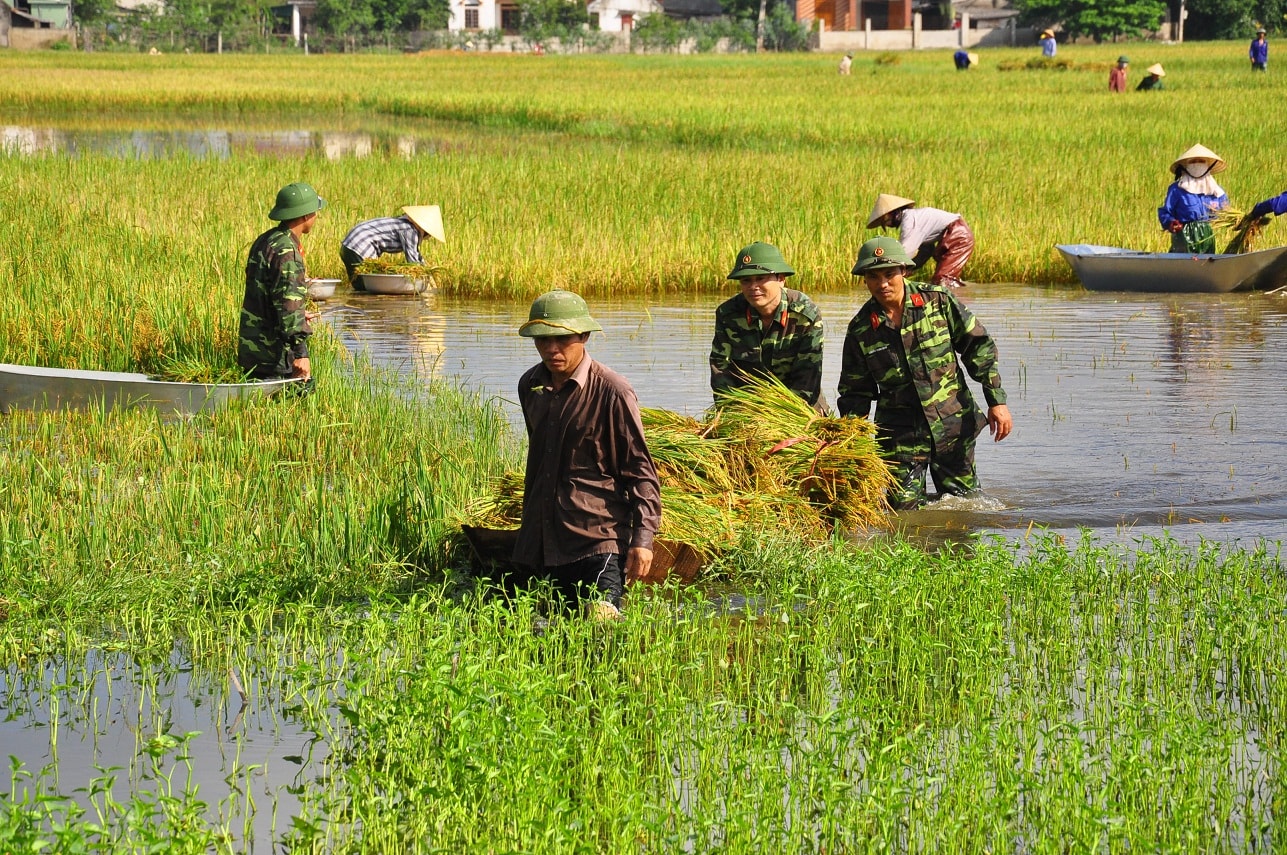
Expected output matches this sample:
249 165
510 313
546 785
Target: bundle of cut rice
1244 231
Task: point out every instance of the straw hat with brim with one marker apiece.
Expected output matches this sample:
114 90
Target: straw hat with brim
428 218
296 200
1156 68
887 204
1046 34
1201 152
556 313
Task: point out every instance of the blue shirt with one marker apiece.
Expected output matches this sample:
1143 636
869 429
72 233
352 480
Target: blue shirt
1188 207
1276 206
1259 51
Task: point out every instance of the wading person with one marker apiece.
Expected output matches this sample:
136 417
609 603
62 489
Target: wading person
274 329
1191 199
901 353
1259 51
1117 76
1152 78
591 498
927 233
767 329
373 238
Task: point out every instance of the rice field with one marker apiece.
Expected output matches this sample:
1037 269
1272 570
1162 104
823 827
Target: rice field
843 697
604 173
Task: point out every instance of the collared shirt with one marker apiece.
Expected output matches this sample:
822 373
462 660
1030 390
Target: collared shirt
590 487
1259 50
911 373
923 225
373 238
790 348
274 330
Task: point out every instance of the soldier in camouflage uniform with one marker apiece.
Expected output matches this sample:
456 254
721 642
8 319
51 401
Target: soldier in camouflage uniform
767 329
901 352
274 327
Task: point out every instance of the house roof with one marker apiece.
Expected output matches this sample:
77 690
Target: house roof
692 8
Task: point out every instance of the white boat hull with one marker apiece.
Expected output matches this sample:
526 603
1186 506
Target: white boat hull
1110 268
27 387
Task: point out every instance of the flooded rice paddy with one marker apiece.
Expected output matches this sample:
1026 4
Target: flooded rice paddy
1134 415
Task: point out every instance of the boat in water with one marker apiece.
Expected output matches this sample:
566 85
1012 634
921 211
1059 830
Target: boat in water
1110 268
29 387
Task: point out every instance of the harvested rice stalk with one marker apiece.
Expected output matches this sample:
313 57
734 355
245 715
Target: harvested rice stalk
1244 232
411 271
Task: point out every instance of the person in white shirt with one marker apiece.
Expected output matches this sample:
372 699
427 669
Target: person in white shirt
927 233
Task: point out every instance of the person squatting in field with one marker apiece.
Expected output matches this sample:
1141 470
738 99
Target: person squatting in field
901 353
927 233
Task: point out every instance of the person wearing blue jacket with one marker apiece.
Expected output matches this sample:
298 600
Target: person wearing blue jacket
1259 51
1276 205
1191 199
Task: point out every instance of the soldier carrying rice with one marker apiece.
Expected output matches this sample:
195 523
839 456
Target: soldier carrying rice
767 330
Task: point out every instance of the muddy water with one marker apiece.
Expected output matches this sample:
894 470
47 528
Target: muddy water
1135 415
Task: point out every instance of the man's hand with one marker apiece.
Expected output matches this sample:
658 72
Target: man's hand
1175 226
638 563
301 368
999 422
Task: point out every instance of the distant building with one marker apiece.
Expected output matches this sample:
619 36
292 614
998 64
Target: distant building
620 16
34 23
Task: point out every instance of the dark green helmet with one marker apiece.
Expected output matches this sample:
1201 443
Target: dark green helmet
558 313
879 253
758 259
296 200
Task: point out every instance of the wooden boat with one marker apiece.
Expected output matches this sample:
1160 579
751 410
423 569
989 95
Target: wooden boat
28 387
1110 268
392 283
492 548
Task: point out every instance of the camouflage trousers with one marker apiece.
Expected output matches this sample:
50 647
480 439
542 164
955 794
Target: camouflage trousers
910 453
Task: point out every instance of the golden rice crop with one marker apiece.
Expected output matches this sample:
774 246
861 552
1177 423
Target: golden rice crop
1244 233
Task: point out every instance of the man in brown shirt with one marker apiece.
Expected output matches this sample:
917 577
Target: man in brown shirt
591 498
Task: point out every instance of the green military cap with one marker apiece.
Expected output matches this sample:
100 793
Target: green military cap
558 313
879 253
296 200
1123 60
758 259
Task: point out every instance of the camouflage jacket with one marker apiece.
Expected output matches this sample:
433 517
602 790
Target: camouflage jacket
790 349
274 332
912 373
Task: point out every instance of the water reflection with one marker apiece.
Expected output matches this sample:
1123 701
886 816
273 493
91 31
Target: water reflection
211 143
162 727
1135 415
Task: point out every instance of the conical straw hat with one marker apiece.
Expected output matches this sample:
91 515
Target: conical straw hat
1156 68
428 218
1201 152
973 58
885 203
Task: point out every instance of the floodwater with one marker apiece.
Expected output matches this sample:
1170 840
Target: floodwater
212 143
1135 415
